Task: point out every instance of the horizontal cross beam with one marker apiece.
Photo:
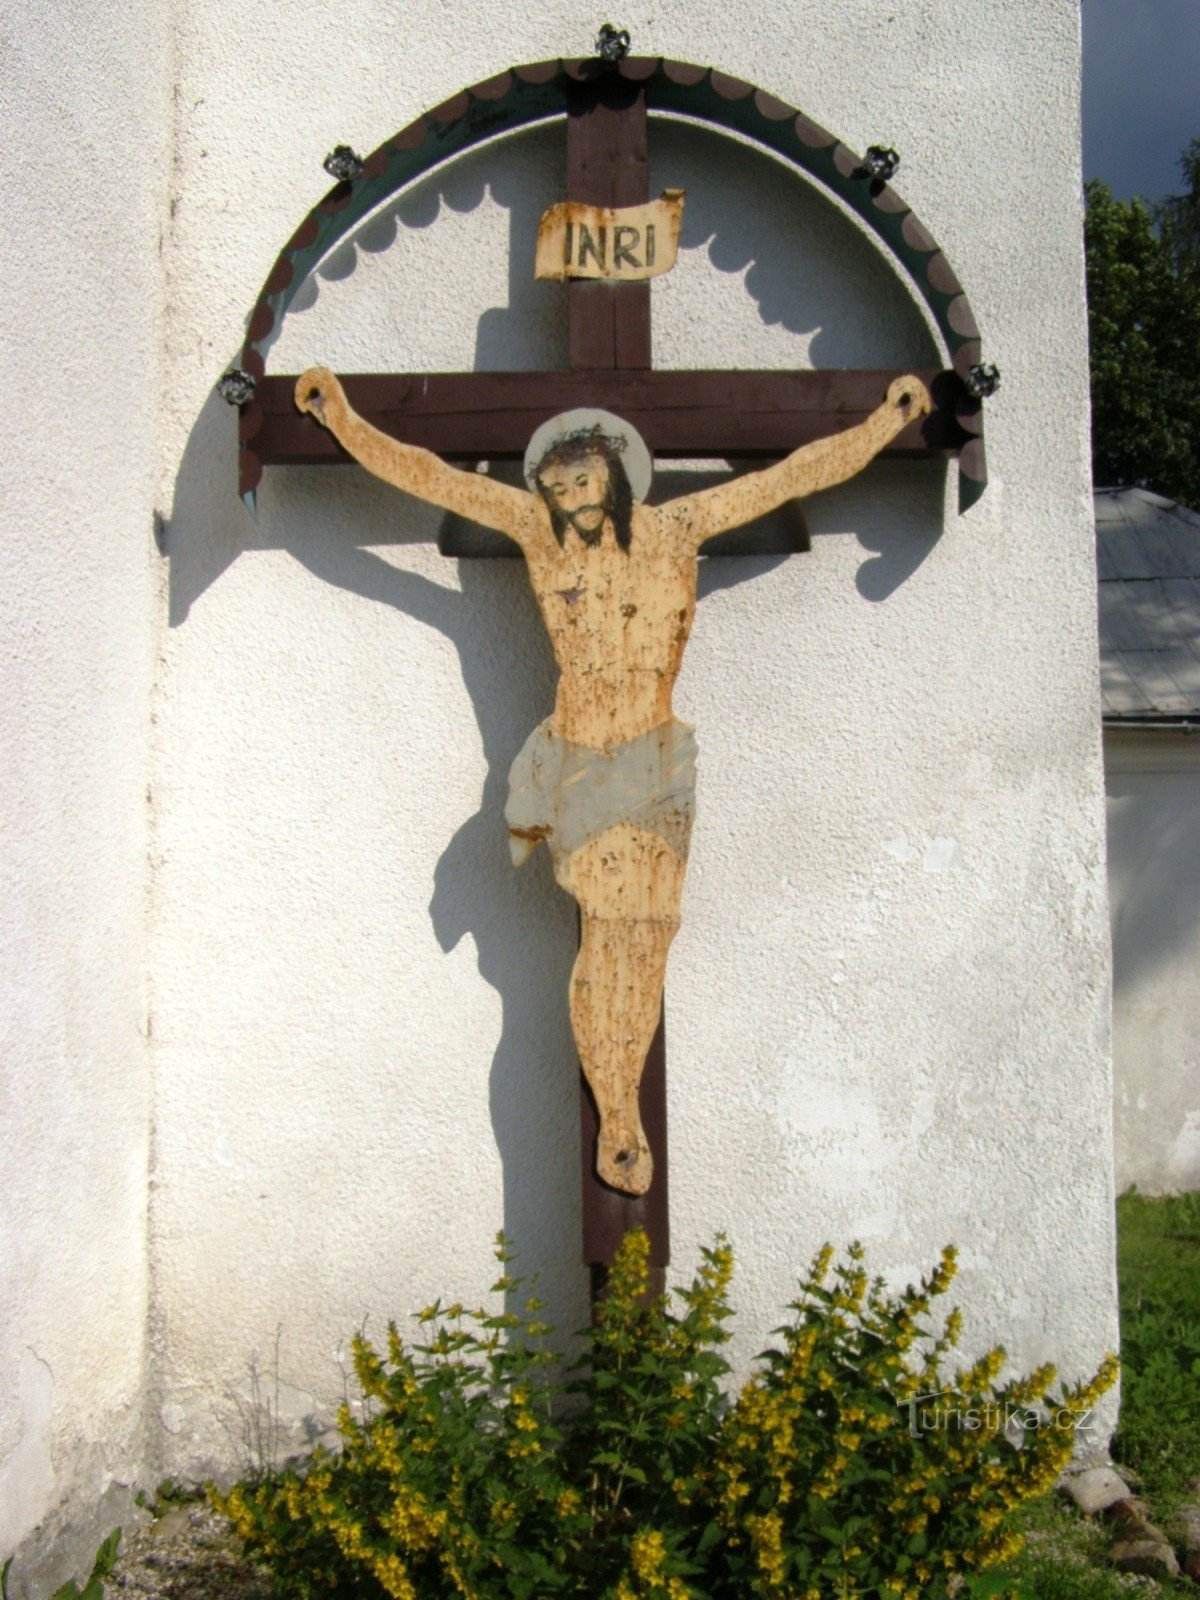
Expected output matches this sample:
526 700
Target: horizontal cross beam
681 415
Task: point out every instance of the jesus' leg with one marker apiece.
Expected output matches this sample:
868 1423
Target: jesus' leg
629 885
616 997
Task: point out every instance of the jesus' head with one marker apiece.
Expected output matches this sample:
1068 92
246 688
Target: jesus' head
583 481
590 467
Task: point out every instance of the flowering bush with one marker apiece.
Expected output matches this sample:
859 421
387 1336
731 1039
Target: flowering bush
484 1465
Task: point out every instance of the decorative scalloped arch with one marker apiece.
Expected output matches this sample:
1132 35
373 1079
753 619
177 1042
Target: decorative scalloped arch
536 92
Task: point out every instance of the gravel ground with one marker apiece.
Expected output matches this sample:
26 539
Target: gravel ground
189 1553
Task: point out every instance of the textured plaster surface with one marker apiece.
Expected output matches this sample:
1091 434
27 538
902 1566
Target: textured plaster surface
888 1005
84 111
1153 783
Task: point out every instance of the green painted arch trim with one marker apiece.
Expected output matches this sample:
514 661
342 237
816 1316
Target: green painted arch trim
536 92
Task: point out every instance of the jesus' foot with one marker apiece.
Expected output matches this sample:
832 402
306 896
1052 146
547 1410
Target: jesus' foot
623 1159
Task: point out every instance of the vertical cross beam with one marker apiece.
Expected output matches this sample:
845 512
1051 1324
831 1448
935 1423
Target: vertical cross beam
608 165
609 329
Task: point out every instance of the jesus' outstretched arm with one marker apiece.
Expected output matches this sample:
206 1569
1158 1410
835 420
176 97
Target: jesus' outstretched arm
814 466
408 467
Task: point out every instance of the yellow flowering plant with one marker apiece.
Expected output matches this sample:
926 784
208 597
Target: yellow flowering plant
485 1465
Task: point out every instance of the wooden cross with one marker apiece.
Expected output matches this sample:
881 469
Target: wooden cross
475 416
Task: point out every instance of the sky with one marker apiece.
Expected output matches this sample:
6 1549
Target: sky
1141 92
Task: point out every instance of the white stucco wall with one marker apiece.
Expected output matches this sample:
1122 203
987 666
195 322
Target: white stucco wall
1153 783
84 99
888 1004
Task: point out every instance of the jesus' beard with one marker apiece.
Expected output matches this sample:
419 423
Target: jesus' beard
561 520
590 536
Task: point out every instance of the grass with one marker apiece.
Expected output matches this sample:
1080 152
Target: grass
1158 1264
1158 1439
1064 1559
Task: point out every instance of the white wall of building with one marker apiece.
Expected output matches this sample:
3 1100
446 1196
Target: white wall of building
894 954
1153 782
894 960
84 107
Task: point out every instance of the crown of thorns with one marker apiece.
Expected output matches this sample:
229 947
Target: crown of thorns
580 439
574 433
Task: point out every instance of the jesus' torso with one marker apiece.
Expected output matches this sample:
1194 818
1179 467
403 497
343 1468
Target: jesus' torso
618 621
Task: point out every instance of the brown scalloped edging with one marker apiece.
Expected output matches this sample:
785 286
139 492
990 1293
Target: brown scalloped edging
730 88
683 73
638 69
958 316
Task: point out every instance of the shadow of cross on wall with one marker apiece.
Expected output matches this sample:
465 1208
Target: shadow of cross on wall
608 331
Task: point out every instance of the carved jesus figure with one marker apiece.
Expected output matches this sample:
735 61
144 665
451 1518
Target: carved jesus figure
607 781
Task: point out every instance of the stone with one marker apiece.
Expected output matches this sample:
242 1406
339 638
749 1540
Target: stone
170 1524
1096 1489
1152 1558
1133 1520
1189 1518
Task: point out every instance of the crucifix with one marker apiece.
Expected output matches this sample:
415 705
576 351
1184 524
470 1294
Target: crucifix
607 781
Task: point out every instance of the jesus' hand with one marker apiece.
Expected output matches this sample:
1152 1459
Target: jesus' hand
319 393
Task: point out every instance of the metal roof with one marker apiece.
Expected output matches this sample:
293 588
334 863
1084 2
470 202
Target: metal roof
1148 556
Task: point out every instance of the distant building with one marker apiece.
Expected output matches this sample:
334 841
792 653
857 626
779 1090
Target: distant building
1148 552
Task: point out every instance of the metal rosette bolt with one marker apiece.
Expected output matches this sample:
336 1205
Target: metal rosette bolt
881 162
982 380
343 164
236 387
612 44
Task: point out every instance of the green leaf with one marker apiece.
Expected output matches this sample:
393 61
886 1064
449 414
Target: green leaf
520 1585
106 1556
820 1515
710 1538
541 1569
